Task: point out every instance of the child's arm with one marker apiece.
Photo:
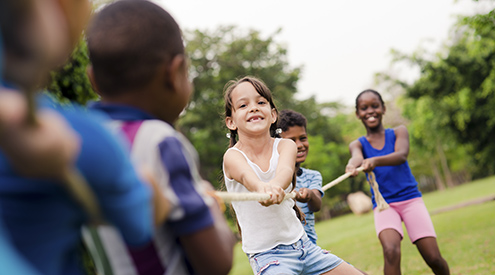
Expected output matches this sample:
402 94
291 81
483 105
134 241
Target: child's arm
237 168
310 196
287 149
396 158
45 150
202 230
356 150
161 205
218 238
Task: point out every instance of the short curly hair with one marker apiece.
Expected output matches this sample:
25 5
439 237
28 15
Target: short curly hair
291 118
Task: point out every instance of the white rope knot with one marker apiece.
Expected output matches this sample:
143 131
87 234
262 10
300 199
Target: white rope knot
380 201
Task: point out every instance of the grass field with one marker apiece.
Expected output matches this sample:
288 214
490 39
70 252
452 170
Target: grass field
466 235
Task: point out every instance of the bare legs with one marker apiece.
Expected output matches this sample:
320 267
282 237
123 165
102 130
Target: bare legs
428 248
390 240
343 269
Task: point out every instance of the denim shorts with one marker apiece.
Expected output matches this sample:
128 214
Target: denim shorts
301 257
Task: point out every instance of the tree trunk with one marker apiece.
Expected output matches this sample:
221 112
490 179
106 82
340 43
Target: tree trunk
438 177
445 166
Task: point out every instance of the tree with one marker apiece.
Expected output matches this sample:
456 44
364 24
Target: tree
450 106
462 85
217 57
70 83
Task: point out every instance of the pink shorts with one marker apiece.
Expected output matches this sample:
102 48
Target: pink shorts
414 214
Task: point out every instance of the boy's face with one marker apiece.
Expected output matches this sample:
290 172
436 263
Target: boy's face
299 136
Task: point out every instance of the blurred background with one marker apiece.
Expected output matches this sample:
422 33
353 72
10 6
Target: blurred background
433 61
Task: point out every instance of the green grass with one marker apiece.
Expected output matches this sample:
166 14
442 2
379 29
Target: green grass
466 236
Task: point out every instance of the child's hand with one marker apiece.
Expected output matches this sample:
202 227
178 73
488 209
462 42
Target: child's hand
368 165
351 169
276 193
303 195
45 150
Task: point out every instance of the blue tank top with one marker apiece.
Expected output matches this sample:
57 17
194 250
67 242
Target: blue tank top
396 183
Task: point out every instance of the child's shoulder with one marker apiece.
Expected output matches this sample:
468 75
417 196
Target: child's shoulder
285 144
311 172
155 127
400 130
356 142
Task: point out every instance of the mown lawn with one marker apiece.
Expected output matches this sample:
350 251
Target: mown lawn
466 235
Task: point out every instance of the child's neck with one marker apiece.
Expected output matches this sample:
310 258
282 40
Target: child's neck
255 146
379 130
376 137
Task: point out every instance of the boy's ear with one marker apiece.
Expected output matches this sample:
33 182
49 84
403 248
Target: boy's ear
230 123
177 70
91 76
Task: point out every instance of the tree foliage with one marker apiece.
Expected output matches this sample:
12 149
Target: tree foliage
70 83
450 106
461 89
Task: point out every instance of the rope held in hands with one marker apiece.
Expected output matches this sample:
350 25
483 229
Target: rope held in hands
228 197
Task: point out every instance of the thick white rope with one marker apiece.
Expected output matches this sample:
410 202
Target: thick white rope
228 197
339 180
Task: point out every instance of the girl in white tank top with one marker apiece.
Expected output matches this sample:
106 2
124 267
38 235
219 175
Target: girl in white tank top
272 235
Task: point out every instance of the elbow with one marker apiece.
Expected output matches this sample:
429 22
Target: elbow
315 206
402 159
315 209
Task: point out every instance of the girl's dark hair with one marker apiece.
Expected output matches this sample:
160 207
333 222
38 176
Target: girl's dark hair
291 118
369 91
261 88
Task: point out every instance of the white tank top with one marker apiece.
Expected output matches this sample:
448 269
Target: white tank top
263 228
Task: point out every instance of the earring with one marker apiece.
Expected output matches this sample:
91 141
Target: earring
228 135
278 131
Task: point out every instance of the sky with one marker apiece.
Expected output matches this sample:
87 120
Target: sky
339 44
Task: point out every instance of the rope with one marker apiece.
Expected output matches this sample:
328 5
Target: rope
228 197
339 180
380 201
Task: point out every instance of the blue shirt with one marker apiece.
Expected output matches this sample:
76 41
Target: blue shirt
12 262
43 219
310 179
396 183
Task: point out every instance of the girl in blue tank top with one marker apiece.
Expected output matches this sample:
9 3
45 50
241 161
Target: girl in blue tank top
385 151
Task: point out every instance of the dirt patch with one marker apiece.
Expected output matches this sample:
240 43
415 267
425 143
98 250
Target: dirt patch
463 204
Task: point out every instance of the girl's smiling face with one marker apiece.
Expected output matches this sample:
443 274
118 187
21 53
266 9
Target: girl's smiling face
251 112
370 110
